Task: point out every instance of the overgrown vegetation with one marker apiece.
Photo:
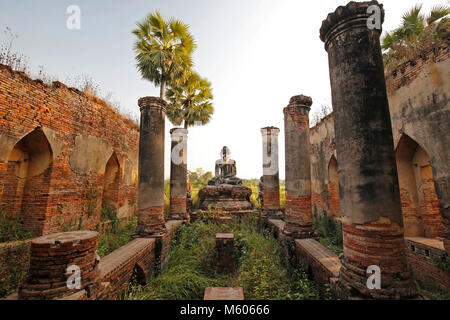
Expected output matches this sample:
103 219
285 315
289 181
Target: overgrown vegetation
9 57
262 270
431 291
12 229
330 231
416 33
14 264
119 233
443 261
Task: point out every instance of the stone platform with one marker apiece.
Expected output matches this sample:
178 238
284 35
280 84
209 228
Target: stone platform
224 294
226 198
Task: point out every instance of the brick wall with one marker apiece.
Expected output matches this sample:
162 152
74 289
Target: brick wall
322 150
421 258
76 136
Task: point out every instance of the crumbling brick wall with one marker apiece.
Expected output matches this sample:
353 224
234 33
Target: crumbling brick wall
322 150
423 262
67 137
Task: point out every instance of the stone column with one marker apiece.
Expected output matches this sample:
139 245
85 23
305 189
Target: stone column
271 177
298 170
151 167
178 175
370 198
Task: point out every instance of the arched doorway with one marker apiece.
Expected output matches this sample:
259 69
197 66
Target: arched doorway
111 183
27 181
420 209
333 188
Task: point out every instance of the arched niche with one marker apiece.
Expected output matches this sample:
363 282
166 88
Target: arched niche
111 182
27 181
420 208
333 188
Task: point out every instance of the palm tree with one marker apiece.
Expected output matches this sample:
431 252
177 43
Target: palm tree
416 33
163 50
190 102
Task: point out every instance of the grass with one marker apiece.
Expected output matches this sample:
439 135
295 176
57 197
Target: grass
431 292
262 270
119 235
14 264
12 229
330 232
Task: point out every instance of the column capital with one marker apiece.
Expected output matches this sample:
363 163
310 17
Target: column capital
270 131
178 132
353 15
152 102
300 101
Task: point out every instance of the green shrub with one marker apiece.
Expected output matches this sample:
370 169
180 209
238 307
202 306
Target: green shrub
14 264
329 230
108 212
12 229
116 238
443 261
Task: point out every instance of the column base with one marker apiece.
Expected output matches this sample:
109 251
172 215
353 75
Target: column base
377 244
297 231
151 222
272 214
352 285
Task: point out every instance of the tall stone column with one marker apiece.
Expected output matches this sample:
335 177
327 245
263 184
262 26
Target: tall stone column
151 167
178 174
271 176
298 170
370 198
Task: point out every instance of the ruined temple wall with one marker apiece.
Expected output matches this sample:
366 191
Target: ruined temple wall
82 134
418 101
322 149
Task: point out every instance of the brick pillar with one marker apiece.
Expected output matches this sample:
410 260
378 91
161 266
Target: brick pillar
62 264
225 252
298 171
370 198
271 179
178 175
151 167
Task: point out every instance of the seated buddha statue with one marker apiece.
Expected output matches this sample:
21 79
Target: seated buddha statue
225 170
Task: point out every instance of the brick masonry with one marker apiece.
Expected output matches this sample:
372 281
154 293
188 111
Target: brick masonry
69 191
225 252
422 255
271 199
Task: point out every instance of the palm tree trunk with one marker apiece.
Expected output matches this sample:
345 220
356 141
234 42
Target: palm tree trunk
185 124
162 90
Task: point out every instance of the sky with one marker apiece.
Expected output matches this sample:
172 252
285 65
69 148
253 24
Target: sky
257 54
